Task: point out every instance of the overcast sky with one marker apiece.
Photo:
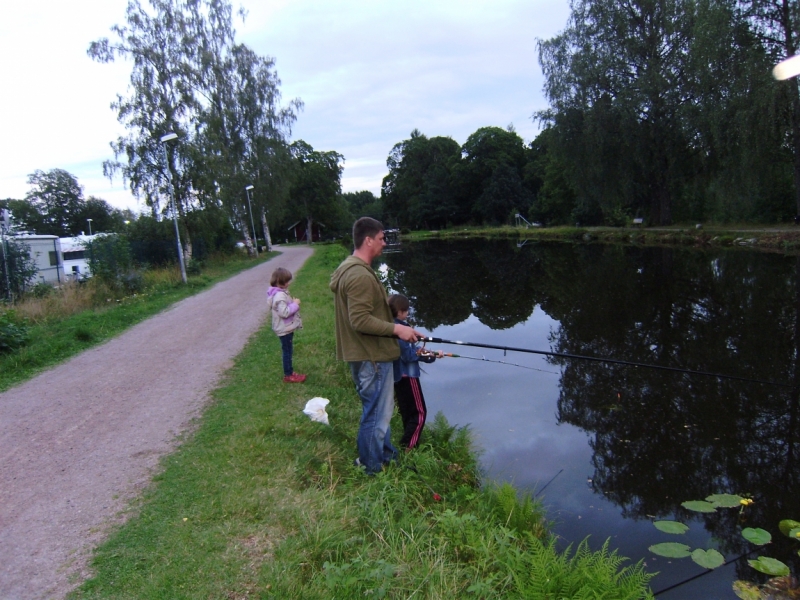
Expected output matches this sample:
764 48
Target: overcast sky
369 72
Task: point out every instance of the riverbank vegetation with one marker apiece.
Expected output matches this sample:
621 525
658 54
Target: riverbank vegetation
262 501
49 325
782 239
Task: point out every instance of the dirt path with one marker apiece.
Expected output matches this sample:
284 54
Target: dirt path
78 442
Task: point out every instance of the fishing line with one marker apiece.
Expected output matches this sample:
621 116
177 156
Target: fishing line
706 572
500 362
628 363
548 483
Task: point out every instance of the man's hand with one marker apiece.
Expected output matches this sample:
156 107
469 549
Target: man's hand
406 333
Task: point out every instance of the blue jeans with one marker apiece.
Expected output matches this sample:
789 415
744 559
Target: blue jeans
286 347
375 386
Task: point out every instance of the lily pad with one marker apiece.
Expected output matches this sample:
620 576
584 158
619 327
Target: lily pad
746 590
787 525
671 527
795 534
725 500
770 566
709 559
699 506
758 536
671 550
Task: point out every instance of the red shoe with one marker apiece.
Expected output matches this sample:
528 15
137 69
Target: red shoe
294 378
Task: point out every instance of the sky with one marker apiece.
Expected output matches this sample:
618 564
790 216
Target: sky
369 72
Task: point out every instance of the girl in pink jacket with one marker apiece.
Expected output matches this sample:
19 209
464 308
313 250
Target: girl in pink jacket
285 312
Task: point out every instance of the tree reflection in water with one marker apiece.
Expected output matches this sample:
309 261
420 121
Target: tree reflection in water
657 438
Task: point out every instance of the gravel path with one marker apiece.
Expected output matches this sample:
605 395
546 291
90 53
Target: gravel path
80 441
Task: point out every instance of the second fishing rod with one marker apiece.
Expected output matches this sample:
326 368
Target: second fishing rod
436 340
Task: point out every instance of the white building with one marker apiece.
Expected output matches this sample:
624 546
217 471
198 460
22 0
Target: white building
76 256
45 250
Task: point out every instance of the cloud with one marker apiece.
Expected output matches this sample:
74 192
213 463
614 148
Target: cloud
368 72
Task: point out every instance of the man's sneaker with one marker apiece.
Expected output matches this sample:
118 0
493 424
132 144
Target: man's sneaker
294 378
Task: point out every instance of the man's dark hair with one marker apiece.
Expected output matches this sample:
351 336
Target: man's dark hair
363 228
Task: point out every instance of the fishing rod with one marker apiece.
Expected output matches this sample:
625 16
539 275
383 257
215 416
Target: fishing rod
706 572
614 361
548 483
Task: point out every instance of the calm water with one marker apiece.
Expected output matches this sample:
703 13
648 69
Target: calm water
619 447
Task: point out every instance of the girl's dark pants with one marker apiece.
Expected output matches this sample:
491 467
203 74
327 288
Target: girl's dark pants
286 347
413 411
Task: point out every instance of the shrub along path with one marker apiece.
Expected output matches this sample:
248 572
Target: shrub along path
78 442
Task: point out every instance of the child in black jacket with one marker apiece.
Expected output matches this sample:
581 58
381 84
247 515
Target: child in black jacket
407 389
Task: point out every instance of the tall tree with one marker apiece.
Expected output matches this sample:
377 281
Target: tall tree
316 189
622 65
490 174
243 133
662 108
58 197
777 24
417 192
164 42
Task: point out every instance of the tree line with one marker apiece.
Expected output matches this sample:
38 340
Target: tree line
663 110
230 156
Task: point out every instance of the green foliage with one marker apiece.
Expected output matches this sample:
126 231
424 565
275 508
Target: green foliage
725 500
769 566
665 110
40 290
699 506
111 261
316 187
216 94
756 536
194 267
708 559
14 333
788 526
17 268
56 338
671 550
671 527
711 559
517 514
420 189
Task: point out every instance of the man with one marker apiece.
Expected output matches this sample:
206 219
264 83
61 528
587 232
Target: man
364 330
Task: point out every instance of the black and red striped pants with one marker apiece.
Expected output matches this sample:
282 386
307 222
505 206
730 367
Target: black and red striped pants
413 411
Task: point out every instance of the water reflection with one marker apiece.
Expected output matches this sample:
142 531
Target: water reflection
634 443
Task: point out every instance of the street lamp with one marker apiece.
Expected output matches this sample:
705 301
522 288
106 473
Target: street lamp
164 139
90 226
252 224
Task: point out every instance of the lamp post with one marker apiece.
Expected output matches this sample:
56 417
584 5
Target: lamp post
4 227
90 226
164 139
252 223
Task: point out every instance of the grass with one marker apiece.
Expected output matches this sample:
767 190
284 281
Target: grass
77 317
262 502
781 238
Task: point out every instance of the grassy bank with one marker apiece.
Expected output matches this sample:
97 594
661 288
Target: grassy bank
262 502
75 318
782 239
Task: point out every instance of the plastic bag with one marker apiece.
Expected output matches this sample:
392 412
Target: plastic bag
315 408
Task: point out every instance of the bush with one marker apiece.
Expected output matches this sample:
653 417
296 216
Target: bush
132 282
17 268
195 267
110 259
41 290
13 333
